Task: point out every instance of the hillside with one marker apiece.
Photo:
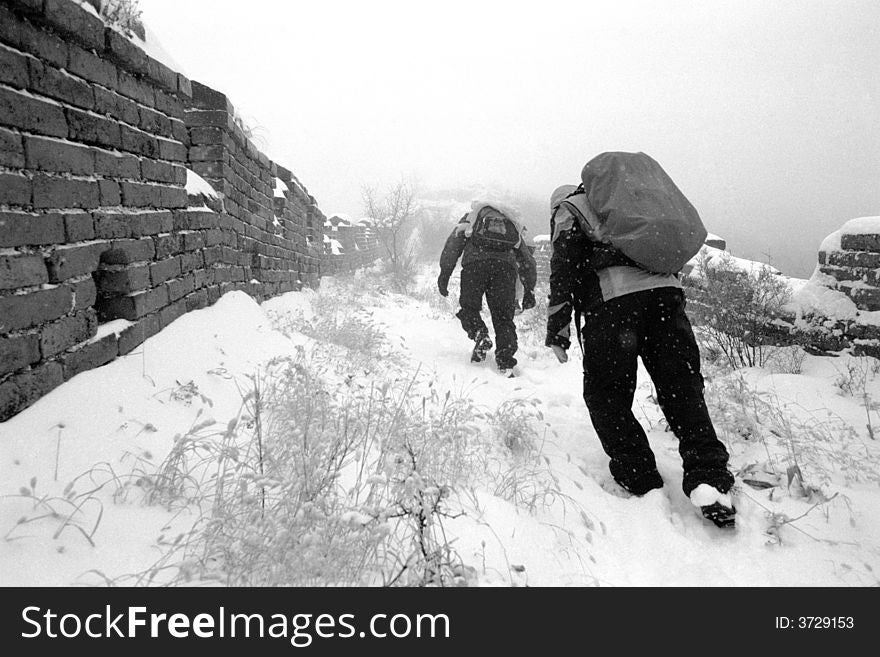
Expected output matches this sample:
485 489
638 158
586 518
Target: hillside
379 439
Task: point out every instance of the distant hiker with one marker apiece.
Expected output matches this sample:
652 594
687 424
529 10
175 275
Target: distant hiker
489 241
630 312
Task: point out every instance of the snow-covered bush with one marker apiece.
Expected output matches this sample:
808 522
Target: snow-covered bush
126 14
738 311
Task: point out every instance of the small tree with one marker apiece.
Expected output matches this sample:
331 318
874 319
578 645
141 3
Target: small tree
737 309
393 216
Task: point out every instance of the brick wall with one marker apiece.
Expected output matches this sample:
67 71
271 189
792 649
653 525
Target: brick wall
95 221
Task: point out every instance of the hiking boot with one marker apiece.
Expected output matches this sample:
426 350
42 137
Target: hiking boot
506 372
714 505
482 346
642 485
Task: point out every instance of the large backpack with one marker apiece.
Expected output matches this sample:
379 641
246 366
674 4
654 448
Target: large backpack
630 202
494 233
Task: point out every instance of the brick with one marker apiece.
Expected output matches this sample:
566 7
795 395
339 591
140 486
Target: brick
110 225
164 270
157 171
23 229
853 259
191 261
121 50
193 240
49 154
51 82
78 24
114 106
178 175
170 106
212 255
21 390
52 192
134 88
865 298
115 282
136 334
125 252
93 129
167 245
21 311
70 261
67 332
134 306
180 287
207 136
170 313
211 170
139 142
91 67
865 242
92 355
209 119
173 197
22 270
206 153
15 189
163 76
109 192
184 86
173 151
28 38
196 300
84 293
11 149
117 165
139 194
154 122
13 68
18 352
150 223
179 132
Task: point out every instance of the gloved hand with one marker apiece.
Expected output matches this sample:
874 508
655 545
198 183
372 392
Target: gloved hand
528 300
442 285
560 353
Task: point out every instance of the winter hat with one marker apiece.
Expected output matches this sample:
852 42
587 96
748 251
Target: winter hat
559 195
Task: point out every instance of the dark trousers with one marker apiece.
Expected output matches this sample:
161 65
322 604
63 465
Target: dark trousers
651 325
497 281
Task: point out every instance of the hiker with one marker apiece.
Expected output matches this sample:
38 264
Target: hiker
630 312
493 253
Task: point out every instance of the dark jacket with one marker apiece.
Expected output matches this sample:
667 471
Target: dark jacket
459 246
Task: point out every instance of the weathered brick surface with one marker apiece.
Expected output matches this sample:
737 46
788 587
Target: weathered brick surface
15 189
49 81
22 270
76 23
11 149
125 252
21 311
14 69
25 229
84 293
70 261
55 192
132 307
22 390
55 155
164 270
135 334
93 129
89 66
117 165
122 281
66 332
92 355
17 352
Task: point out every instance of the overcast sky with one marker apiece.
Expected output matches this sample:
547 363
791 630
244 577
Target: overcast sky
765 112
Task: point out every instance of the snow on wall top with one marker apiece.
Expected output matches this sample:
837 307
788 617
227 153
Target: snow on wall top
196 185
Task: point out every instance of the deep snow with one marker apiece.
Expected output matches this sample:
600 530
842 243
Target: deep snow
588 533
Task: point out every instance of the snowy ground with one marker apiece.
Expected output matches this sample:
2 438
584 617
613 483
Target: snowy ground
808 515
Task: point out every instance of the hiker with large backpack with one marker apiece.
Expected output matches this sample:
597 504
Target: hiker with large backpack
489 241
619 240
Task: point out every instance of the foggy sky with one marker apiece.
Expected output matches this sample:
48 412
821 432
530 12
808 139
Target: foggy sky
765 112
